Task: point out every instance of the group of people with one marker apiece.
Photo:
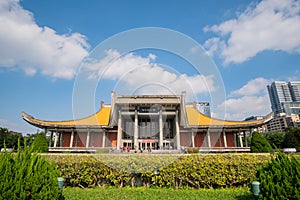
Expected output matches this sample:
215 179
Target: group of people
125 149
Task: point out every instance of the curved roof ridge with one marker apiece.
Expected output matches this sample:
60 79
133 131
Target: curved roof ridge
100 118
196 118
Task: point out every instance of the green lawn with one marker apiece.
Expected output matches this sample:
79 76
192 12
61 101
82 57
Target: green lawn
153 194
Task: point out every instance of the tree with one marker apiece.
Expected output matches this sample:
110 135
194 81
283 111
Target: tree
276 139
27 175
40 143
292 139
280 178
259 144
10 138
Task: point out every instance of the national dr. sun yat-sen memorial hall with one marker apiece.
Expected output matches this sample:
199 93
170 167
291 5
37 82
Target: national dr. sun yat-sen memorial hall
147 121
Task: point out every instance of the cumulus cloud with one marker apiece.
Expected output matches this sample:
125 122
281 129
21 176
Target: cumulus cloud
114 65
268 25
27 46
246 106
134 72
251 99
253 87
213 45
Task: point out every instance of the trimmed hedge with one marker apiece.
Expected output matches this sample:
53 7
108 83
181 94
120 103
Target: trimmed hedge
169 171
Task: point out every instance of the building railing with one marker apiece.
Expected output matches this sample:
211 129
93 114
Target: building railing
113 149
225 150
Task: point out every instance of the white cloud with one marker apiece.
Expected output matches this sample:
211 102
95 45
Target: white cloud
114 65
213 45
136 73
269 25
251 99
253 87
152 56
156 75
246 106
27 46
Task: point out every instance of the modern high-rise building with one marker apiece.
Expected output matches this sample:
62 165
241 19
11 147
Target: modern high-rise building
204 108
285 97
295 90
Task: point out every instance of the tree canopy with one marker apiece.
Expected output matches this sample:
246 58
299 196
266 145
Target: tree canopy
9 138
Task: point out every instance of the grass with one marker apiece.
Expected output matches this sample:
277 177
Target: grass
156 194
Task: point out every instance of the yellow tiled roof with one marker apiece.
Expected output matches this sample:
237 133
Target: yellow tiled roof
196 118
101 118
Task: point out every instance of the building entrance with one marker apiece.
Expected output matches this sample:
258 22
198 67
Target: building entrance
128 143
148 130
148 143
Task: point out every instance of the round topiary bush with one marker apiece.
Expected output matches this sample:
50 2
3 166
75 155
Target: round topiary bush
27 175
280 178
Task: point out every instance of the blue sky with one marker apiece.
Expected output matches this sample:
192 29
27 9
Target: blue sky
43 44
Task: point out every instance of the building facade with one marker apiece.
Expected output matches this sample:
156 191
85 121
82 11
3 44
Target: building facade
282 122
147 121
284 97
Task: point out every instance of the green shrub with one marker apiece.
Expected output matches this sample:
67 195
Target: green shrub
210 171
40 143
259 144
280 178
195 170
27 175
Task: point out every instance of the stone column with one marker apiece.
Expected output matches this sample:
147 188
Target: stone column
160 141
241 140
119 136
87 143
177 131
208 139
103 138
136 130
193 139
56 138
72 138
224 138
251 131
